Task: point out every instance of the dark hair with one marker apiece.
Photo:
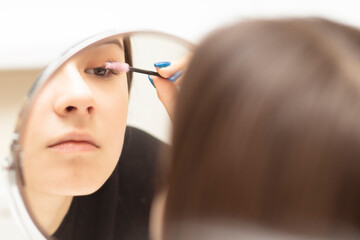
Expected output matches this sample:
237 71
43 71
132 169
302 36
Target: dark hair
267 128
128 59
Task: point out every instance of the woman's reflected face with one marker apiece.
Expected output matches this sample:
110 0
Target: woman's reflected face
75 130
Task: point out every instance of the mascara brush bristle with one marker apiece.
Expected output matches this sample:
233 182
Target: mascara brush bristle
117 66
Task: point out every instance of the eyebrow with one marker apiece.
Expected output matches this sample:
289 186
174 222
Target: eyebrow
117 42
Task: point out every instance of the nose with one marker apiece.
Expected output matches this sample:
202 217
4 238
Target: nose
76 98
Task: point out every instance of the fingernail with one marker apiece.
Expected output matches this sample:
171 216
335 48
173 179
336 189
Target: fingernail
151 81
162 64
175 76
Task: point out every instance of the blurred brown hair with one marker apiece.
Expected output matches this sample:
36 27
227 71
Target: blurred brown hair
267 129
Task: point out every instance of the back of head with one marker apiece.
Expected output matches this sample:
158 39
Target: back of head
267 129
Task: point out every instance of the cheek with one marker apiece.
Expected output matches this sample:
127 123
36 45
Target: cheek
117 117
115 125
115 110
37 124
113 115
114 101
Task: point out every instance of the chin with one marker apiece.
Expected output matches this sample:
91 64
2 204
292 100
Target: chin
75 176
77 189
90 188
84 191
68 185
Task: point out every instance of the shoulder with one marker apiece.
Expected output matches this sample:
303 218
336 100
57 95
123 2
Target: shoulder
138 136
140 144
139 156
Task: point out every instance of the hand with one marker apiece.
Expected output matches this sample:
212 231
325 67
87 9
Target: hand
167 85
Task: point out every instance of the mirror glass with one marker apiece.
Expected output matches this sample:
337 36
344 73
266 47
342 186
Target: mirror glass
81 172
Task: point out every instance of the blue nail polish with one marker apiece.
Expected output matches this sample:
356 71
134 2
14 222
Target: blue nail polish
151 81
175 76
162 64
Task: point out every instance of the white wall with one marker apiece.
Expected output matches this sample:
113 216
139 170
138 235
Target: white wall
35 31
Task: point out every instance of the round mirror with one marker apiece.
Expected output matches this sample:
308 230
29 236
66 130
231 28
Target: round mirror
77 169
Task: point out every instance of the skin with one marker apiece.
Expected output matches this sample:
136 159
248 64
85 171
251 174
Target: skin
74 135
167 92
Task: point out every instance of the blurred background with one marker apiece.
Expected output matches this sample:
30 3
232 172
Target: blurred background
35 32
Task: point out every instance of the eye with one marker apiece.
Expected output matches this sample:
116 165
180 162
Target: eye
100 72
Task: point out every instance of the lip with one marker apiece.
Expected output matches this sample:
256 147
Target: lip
74 142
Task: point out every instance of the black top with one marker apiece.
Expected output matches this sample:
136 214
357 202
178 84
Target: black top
120 208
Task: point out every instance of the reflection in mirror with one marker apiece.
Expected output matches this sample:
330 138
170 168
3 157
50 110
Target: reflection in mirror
83 173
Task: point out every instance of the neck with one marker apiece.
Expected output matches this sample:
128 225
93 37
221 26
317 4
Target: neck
49 210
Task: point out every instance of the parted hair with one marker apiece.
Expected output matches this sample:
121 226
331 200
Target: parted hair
267 129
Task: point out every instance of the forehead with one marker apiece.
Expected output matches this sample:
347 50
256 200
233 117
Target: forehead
113 46
116 41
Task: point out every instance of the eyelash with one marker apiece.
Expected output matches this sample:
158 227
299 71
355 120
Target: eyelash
105 75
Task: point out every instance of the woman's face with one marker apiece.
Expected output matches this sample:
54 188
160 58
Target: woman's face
74 134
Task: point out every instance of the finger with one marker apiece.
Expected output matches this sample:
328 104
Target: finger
179 80
167 72
176 76
167 69
167 93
